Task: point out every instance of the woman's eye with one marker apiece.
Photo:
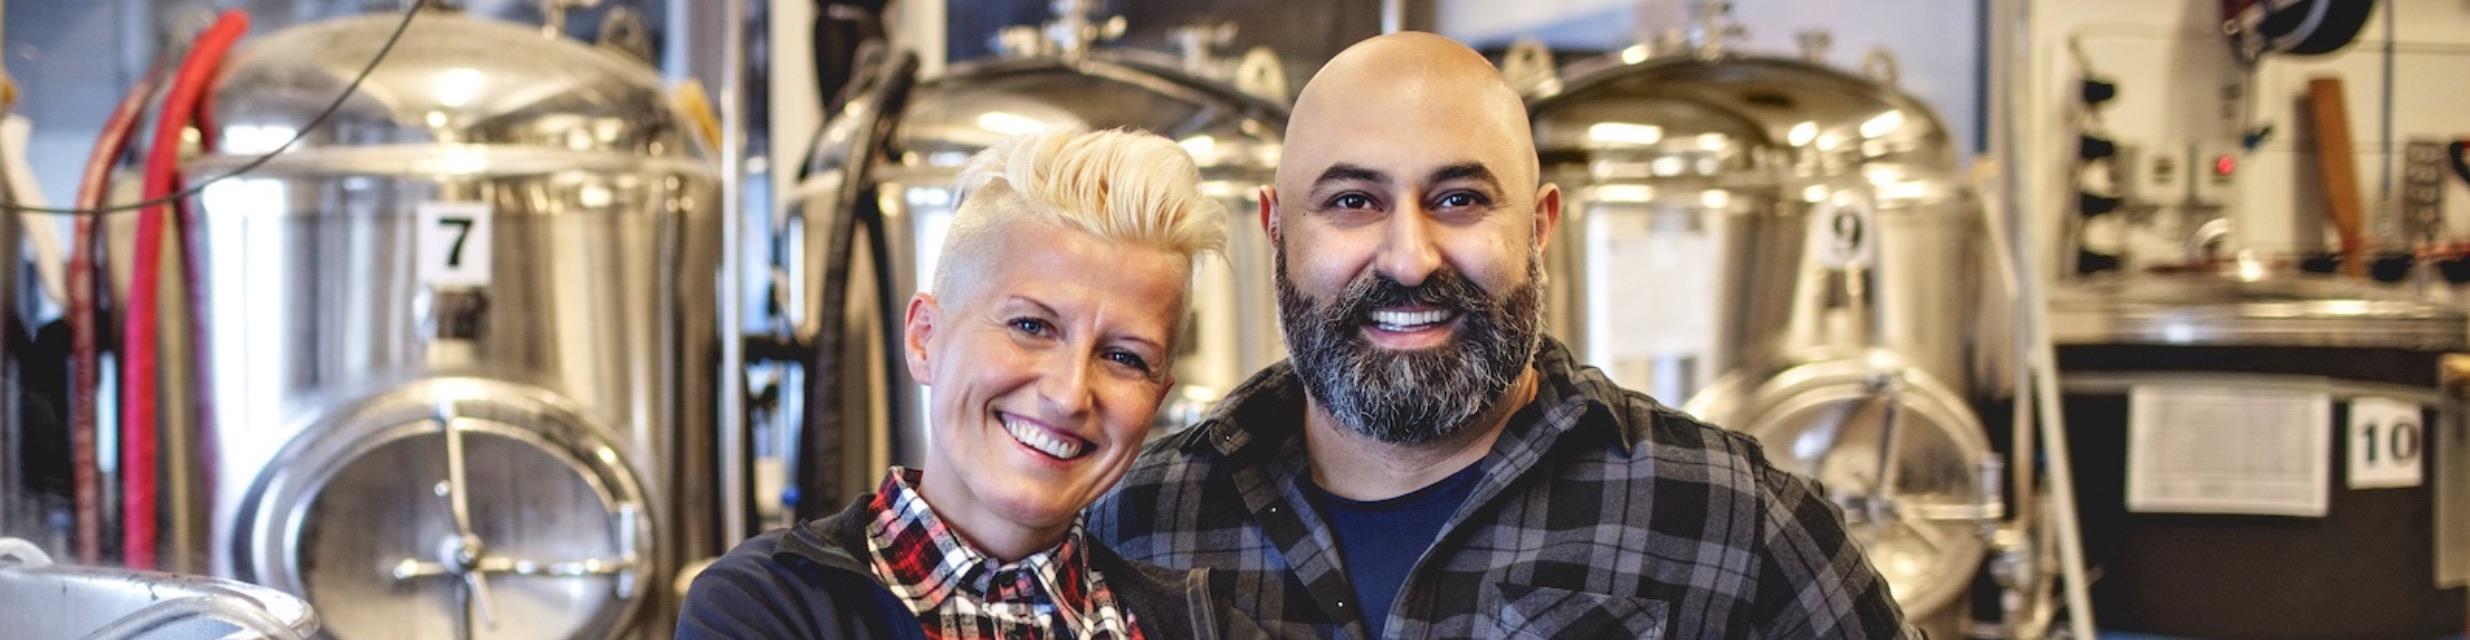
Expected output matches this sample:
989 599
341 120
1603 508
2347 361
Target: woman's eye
1129 360
1031 326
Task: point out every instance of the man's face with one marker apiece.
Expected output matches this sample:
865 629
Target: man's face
1408 274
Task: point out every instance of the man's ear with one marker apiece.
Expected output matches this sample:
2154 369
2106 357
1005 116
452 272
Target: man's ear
916 331
1547 215
1269 213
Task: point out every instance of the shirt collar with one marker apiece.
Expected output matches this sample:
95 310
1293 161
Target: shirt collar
926 563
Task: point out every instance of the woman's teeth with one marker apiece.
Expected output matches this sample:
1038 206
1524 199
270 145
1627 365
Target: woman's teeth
1410 320
1045 443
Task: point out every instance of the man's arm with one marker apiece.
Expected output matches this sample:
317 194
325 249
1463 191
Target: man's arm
1813 580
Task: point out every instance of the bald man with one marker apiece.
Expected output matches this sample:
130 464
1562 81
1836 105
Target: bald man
1428 464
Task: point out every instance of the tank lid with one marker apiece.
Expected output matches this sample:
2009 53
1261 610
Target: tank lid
974 106
1690 116
2221 310
451 80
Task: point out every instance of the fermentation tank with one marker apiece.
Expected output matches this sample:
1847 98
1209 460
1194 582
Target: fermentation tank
878 196
2244 428
463 335
1784 249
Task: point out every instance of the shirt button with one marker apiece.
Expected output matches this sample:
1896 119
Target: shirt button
1342 604
1273 509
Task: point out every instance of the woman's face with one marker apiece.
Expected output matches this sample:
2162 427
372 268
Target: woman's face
1045 375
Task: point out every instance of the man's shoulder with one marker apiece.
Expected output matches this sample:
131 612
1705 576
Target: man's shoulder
1652 431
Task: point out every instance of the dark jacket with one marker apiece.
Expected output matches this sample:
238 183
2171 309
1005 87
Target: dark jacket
811 581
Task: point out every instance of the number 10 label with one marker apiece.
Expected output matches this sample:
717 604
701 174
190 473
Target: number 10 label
453 243
2386 442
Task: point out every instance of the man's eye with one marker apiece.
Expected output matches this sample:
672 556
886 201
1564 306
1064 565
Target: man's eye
1460 199
1351 201
1032 326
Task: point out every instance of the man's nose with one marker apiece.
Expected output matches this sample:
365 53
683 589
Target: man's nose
1407 253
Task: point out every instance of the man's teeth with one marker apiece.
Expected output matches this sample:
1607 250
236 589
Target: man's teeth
1039 439
1403 320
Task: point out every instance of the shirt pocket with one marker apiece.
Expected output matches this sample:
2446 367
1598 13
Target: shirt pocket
1548 613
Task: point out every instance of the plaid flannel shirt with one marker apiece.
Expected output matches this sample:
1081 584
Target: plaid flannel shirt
959 593
1602 514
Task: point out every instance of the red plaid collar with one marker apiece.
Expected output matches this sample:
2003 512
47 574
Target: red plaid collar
922 560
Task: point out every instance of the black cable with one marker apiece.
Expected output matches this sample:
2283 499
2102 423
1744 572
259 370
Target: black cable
261 160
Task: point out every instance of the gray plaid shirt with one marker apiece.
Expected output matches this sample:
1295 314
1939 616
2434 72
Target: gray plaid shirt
1601 514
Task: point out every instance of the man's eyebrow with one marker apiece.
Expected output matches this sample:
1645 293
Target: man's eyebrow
1343 172
1465 171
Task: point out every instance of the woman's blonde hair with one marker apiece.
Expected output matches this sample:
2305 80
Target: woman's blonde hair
1127 187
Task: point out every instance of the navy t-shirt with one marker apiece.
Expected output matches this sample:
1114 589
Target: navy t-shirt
1379 541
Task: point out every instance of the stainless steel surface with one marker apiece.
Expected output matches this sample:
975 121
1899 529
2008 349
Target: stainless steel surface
1901 451
1787 247
908 177
2255 309
497 226
42 600
523 512
1783 206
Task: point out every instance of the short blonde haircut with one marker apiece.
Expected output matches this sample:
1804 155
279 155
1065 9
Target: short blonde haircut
1127 187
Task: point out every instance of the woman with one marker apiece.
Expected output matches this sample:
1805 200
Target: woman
1047 342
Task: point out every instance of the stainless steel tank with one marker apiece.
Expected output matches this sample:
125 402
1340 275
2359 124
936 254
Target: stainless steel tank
463 334
878 196
2240 429
1785 248
44 600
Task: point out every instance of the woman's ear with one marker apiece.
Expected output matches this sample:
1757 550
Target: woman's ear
916 331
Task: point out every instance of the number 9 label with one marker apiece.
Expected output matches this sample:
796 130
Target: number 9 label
2387 442
452 243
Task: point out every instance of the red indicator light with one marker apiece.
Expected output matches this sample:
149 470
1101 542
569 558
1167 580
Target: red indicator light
2223 165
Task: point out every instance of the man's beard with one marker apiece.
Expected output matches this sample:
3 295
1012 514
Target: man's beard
1420 396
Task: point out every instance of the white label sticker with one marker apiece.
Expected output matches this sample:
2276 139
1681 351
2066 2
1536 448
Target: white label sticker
1848 230
453 243
2203 449
2387 442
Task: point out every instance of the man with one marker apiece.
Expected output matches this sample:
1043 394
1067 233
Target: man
1427 464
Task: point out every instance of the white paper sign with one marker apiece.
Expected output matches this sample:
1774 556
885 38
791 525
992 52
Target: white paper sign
1847 231
2204 449
1644 286
2387 443
453 243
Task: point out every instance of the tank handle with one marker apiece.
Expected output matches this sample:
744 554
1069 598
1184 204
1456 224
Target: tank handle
1262 75
1880 65
22 554
1528 67
623 31
553 15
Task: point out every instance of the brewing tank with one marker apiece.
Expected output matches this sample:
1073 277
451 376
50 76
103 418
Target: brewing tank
463 348
1783 248
878 197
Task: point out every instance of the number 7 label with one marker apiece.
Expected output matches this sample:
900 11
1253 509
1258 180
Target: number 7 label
2387 443
452 243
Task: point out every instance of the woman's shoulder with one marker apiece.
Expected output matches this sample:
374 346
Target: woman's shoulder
795 582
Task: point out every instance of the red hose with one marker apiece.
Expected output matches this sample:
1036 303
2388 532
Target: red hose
86 360
141 332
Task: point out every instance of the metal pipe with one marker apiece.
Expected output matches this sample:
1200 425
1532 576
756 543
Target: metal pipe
1393 16
2010 56
732 388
